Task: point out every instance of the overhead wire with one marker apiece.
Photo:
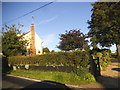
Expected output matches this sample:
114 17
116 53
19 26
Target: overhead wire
28 13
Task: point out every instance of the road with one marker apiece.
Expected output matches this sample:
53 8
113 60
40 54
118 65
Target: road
11 82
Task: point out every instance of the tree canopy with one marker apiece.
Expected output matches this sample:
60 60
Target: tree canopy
105 23
46 50
72 40
12 41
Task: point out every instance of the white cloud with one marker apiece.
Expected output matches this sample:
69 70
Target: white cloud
47 20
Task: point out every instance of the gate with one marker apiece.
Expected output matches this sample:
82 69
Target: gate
95 67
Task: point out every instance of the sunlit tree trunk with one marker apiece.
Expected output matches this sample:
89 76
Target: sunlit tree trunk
118 49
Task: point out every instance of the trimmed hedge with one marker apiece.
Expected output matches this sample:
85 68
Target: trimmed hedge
76 58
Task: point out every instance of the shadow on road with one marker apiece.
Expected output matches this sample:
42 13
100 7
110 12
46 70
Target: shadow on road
47 84
114 61
116 69
12 83
109 82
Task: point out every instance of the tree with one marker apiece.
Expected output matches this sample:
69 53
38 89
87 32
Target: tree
46 50
94 43
72 40
53 51
105 24
12 41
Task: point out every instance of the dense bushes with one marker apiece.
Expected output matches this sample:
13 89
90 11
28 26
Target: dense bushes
77 58
5 67
74 63
104 56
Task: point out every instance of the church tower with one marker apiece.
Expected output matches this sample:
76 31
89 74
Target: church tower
32 43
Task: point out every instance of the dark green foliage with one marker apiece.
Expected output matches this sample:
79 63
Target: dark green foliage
53 51
113 55
73 40
94 42
105 24
12 44
46 50
77 58
5 67
104 56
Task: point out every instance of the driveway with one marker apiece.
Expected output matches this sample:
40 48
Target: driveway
110 77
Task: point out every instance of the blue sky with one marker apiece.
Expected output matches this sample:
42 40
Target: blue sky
51 20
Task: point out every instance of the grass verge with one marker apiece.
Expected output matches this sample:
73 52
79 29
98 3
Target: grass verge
61 77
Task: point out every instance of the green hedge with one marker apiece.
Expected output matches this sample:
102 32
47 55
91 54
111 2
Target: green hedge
76 58
104 56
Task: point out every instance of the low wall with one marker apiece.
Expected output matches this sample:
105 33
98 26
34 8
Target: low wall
67 69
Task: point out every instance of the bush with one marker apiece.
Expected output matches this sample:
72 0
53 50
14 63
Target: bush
99 54
89 77
107 50
76 58
104 55
5 67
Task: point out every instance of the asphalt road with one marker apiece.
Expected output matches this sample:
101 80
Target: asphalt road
11 83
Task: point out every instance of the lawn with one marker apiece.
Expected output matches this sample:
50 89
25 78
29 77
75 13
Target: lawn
61 77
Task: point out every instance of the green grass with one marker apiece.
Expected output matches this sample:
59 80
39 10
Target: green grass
61 77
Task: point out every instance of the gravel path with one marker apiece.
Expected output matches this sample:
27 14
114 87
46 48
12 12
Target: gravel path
109 78
112 70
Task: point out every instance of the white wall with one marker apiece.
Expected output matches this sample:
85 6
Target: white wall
38 43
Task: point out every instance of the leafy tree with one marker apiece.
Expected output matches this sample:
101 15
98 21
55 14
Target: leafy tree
105 24
72 40
53 51
46 50
94 43
12 41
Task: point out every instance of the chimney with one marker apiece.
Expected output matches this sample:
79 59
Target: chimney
13 29
32 44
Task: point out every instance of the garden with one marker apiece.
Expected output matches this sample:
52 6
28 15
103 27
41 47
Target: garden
63 67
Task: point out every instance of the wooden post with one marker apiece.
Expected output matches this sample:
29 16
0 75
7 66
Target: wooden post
95 67
98 67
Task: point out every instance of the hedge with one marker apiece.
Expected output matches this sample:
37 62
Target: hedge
104 56
76 58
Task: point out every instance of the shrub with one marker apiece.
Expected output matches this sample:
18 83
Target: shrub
107 50
76 58
104 55
99 54
89 77
5 67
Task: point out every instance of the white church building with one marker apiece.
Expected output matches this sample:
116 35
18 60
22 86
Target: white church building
35 43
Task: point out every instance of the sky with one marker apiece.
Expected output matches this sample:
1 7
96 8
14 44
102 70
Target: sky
51 20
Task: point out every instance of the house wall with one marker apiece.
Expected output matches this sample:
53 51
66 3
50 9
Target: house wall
38 43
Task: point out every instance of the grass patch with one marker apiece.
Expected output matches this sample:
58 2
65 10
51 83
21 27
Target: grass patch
61 77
